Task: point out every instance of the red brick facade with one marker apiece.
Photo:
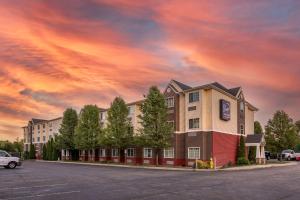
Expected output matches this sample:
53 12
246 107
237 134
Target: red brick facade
224 147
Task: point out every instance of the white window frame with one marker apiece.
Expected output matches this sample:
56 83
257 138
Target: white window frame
167 153
170 102
102 152
132 152
115 152
192 93
193 127
189 153
146 152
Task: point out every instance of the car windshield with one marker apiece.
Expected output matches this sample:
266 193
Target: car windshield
287 151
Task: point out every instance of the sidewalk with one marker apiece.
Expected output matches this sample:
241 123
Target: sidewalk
250 167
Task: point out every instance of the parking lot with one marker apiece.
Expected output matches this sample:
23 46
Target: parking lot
38 180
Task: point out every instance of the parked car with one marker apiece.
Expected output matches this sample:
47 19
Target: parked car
297 155
268 155
288 155
8 161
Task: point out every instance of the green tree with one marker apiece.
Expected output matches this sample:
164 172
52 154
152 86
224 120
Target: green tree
50 149
241 148
257 128
298 126
281 133
155 131
32 151
88 128
119 131
67 131
45 152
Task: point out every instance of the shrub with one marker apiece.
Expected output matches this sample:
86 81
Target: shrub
242 161
202 164
229 164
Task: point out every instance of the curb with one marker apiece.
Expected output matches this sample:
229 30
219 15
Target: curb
258 167
243 168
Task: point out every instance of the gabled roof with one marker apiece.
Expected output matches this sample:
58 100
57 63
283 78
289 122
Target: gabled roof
36 121
255 138
182 85
232 91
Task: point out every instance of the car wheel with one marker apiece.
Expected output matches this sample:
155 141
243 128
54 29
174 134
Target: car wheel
12 165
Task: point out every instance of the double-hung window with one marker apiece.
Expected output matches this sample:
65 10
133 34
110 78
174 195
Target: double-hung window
147 153
102 153
193 97
170 102
169 153
194 152
194 123
131 152
115 152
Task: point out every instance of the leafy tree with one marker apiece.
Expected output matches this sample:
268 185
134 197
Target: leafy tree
88 128
45 152
281 133
119 132
155 131
67 131
257 128
241 148
32 151
298 125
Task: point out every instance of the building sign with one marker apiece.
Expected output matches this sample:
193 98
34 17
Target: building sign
224 110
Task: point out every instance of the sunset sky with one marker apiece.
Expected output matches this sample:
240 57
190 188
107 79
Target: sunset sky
66 53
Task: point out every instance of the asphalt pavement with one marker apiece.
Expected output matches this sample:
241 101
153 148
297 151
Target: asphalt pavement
38 180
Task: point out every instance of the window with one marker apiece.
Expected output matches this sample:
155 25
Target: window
50 129
191 108
102 153
38 139
130 110
32 139
172 124
44 125
115 152
44 138
194 152
147 153
101 116
3 154
242 130
193 123
38 127
131 152
169 153
242 106
193 97
170 102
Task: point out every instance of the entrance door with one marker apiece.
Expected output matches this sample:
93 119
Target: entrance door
122 156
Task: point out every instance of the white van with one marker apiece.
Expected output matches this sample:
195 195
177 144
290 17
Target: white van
8 161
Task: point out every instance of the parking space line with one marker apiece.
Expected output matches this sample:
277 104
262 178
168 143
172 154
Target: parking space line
43 195
37 186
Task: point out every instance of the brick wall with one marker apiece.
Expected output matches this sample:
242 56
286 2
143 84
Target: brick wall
225 147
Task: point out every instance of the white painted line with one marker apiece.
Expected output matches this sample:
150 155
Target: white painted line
37 186
42 195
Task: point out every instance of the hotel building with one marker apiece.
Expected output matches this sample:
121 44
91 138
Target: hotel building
208 122
39 132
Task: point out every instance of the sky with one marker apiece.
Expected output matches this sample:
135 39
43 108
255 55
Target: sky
68 53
